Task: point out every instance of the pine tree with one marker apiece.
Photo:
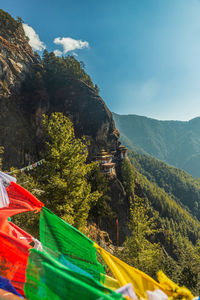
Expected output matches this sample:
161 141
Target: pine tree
101 209
64 176
138 250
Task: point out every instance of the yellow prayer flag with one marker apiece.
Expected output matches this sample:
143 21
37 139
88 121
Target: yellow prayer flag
172 289
126 274
109 282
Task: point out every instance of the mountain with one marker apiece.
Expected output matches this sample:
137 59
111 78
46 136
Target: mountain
177 184
30 87
175 142
143 188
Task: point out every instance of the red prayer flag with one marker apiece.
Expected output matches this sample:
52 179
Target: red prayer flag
13 260
20 234
14 241
20 201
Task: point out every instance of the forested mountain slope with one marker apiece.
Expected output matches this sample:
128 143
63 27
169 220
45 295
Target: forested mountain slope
164 219
181 186
159 203
175 142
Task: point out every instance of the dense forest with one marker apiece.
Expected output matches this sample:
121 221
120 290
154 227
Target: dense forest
55 72
164 234
174 142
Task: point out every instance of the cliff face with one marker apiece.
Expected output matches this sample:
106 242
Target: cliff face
16 61
16 56
88 113
22 103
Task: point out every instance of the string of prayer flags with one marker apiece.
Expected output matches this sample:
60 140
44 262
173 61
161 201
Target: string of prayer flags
32 166
29 167
65 264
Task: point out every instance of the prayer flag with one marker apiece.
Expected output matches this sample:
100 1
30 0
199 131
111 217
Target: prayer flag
126 274
13 260
20 201
63 238
48 279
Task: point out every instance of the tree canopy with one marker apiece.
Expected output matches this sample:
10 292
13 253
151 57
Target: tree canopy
63 179
58 70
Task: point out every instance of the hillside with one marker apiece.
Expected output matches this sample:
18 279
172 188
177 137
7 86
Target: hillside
164 202
157 206
179 185
174 142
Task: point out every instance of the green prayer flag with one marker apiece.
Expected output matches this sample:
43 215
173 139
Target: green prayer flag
59 236
47 278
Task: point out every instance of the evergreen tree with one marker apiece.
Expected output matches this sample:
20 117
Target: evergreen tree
138 250
101 209
59 69
64 175
96 89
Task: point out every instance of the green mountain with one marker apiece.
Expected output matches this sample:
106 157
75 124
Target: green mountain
174 142
157 206
164 210
176 183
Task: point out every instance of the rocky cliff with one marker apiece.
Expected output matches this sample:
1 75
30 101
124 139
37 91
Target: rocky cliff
16 56
23 100
16 61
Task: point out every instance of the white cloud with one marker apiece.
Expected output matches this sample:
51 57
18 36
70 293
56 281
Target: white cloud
34 40
57 52
70 44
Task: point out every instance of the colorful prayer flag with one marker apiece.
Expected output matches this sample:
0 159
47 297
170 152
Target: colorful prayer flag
13 260
63 238
48 279
126 274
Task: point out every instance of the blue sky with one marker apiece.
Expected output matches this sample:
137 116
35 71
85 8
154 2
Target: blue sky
143 54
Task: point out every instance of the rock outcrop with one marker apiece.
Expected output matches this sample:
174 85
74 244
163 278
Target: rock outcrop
22 103
89 114
16 56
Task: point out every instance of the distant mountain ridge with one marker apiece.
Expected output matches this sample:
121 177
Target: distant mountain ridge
174 142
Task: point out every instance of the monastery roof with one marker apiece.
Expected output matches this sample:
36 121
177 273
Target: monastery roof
122 147
104 156
108 165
